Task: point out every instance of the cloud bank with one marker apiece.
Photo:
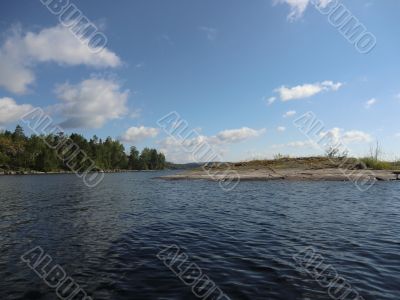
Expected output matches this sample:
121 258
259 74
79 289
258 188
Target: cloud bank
174 149
91 103
10 111
138 134
22 51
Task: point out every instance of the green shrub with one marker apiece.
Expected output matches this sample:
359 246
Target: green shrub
375 164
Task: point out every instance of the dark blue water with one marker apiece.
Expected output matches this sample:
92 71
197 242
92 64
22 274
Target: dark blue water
107 238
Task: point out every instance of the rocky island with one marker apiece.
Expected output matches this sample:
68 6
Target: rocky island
308 168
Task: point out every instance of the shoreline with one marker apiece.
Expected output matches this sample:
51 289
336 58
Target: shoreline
22 173
295 169
287 174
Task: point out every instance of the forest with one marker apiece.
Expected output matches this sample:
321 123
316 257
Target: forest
60 152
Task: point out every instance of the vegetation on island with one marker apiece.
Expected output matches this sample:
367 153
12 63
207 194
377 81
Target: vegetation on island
333 159
19 152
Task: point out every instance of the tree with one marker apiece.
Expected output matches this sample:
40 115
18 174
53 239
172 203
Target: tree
161 161
18 134
134 161
153 159
145 158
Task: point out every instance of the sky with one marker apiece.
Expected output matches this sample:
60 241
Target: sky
239 73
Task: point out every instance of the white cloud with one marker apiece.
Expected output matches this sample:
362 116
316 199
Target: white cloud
174 149
91 103
271 100
306 90
137 134
356 136
337 135
281 128
22 51
289 114
330 85
397 135
370 102
14 75
210 32
58 44
238 135
333 137
10 111
298 7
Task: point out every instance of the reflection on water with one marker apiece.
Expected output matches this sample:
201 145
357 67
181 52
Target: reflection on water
107 238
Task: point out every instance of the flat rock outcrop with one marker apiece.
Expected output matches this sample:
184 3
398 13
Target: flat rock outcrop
288 174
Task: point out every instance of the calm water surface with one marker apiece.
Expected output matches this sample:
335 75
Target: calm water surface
107 238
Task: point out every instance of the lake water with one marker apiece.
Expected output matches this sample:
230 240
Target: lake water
107 238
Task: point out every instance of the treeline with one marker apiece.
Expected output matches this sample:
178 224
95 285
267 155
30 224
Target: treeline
43 153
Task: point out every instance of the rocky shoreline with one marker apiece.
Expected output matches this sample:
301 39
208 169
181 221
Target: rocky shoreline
288 174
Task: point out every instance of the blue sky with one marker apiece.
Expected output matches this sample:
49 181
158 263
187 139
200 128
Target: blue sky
216 63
